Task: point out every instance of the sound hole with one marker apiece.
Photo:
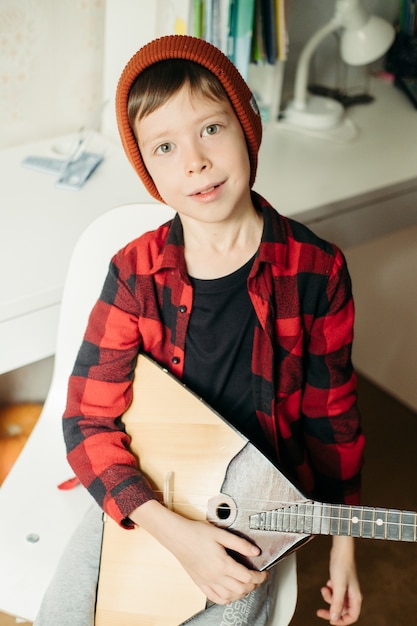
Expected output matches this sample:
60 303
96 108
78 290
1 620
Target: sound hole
223 511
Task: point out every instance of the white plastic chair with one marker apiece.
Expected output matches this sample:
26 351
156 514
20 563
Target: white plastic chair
37 519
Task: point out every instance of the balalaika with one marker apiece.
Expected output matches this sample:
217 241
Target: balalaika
206 470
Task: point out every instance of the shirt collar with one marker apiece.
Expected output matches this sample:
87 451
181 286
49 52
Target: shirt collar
172 252
274 232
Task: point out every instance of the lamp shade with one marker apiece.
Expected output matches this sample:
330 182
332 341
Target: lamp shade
359 46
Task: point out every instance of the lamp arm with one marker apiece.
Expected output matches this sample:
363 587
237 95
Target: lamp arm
303 65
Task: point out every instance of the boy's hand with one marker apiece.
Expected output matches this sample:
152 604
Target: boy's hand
342 591
201 550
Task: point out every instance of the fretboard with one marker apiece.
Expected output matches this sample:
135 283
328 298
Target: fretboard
316 518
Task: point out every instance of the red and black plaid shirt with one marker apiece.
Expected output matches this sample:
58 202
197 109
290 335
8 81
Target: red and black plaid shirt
303 380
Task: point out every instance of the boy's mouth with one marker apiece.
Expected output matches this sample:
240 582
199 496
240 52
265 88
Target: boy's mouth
202 193
206 190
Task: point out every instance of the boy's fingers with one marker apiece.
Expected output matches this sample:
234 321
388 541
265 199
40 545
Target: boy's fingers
240 545
326 594
336 608
334 613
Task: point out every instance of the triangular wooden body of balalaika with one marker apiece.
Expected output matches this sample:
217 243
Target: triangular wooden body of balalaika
208 471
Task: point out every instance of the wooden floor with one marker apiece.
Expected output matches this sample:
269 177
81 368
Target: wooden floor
387 570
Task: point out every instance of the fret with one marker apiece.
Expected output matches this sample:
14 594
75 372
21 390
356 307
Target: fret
380 529
356 521
286 520
256 522
325 519
345 522
316 526
260 519
301 518
274 519
408 528
335 519
267 520
308 520
368 519
280 519
393 522
293 518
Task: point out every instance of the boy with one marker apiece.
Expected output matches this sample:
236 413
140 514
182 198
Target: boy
249 309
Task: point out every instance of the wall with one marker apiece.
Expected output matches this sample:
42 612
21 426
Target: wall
27 384
384 286
125 32
51 67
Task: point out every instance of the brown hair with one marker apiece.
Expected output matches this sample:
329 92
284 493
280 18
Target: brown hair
159 82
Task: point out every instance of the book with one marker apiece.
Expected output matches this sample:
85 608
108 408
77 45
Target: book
282 35
241 30
270 30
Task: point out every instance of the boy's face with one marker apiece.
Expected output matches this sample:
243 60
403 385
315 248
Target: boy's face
196 153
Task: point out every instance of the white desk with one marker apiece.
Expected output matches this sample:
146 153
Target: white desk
39 225
347 192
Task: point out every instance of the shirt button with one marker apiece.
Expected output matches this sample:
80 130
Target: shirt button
175 360
182 308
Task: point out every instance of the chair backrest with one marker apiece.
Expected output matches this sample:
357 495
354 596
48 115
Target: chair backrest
37 519
88 268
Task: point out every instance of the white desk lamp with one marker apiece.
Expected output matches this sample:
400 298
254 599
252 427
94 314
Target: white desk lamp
363 39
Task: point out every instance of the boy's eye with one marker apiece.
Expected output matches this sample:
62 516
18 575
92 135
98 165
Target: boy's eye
164 148
211 129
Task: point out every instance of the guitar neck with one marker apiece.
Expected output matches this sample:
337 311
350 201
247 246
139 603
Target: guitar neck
317 518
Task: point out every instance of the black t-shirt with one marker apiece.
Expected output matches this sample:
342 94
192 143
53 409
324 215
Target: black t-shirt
218 350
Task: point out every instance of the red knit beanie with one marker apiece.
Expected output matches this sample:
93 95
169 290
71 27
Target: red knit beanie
207 55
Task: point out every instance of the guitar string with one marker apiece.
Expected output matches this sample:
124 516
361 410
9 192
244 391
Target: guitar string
352 509
284 503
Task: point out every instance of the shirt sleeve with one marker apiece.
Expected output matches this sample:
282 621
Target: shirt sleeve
333 434
99 392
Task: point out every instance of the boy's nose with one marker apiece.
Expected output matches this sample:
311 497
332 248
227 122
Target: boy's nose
196 167
196 161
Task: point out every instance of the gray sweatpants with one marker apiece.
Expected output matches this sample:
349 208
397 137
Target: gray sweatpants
71 596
